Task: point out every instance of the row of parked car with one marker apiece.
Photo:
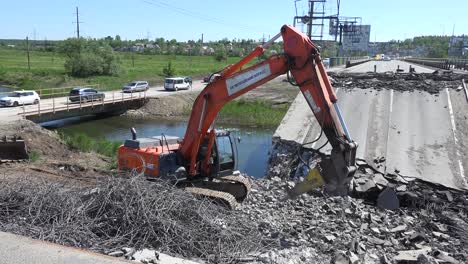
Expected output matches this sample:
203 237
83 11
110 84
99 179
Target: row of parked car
86 94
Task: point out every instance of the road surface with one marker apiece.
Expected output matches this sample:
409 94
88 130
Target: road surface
19 250
13 113
382 66
420 135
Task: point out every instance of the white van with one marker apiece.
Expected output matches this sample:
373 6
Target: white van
177 83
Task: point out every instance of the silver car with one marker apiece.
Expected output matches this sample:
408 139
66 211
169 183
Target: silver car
136 86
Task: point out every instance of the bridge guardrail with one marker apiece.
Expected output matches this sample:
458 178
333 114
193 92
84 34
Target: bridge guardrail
336 61
117 97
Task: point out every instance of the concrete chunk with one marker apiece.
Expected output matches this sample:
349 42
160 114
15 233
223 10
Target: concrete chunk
411 255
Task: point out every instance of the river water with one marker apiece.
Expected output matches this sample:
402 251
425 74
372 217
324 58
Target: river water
253 149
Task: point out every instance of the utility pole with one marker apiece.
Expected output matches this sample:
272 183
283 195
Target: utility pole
27 52
309 28
77 23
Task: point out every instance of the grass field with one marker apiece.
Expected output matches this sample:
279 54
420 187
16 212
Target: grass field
253 112
47 70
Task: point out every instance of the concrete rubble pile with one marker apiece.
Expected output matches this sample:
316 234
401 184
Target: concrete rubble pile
429 223
431 83
387 218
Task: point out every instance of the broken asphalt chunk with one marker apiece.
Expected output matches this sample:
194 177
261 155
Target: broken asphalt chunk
388 199
399 228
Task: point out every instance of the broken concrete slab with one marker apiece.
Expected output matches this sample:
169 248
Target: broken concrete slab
378 121
155 257
411 255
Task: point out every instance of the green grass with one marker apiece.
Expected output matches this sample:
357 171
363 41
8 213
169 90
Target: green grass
84 143
47 69
34 156
253 112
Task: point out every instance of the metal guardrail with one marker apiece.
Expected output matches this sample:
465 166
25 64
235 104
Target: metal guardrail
336 61
45 93
445 64
466 90
117 97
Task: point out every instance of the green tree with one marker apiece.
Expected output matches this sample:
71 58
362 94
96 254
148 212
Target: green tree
220 53
87 57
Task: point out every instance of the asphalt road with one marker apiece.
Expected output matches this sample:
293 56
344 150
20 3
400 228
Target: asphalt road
420 135
13 113
383 66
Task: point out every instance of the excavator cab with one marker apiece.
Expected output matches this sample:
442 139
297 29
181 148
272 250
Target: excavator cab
224 154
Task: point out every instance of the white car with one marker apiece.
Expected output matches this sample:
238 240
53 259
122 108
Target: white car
20 98
326 62
177 83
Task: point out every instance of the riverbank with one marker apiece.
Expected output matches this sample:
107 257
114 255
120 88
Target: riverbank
51 158
263 106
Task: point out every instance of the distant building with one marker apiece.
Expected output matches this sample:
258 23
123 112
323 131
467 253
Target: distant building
458 46
138 47
205 50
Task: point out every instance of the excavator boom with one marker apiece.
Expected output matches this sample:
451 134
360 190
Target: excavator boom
301 57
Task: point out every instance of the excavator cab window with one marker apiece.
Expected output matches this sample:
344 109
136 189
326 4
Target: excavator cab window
226 153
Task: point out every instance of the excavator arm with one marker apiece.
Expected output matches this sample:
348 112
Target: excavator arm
302 59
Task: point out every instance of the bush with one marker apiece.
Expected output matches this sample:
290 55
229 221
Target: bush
169 71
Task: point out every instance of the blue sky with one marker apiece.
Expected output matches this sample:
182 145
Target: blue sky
185 19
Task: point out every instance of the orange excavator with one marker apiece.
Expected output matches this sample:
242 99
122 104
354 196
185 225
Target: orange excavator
204 162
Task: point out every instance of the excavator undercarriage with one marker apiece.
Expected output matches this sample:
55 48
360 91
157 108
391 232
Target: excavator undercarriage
157 158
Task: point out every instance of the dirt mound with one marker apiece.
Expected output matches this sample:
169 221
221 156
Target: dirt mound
37 139
177 105
50 157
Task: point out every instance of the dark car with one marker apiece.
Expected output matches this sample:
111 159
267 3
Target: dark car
85 94
188 80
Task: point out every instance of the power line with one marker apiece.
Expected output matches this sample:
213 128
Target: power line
197 15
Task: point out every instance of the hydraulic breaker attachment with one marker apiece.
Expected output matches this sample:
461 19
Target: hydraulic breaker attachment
311 182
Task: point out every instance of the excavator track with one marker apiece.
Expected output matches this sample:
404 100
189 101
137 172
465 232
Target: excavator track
241 186
223 198
228 191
